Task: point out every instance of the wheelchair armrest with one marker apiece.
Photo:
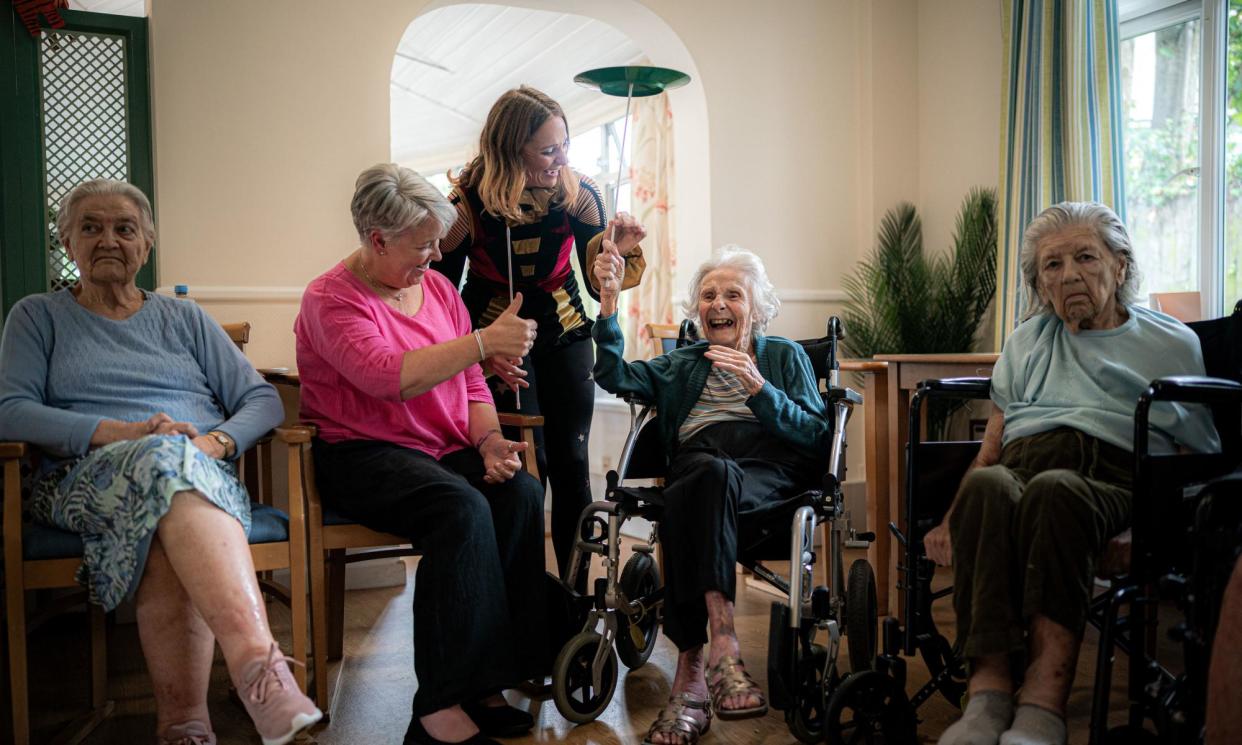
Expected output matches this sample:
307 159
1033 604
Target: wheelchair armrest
832 395
1192 389
1185 389
634 399
956 387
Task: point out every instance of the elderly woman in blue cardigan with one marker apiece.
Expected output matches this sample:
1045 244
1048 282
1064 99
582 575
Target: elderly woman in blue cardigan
745 425
139 406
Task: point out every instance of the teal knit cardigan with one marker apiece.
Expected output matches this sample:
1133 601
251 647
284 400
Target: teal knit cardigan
789 405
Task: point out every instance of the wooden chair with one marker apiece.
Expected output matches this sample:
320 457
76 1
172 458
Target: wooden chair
663 337
1184 306
331 535
37 557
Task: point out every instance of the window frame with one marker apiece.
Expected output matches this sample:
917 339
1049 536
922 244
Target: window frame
1212 15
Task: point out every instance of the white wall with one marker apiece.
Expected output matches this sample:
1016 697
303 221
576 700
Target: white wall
810 119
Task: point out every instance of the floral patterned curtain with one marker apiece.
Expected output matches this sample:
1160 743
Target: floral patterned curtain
651 182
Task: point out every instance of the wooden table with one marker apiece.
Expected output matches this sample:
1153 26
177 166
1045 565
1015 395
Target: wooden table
891 379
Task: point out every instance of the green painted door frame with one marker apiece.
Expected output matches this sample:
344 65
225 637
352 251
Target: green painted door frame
23 212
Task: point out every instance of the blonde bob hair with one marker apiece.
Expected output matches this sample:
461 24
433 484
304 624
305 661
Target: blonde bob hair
392 199
498 172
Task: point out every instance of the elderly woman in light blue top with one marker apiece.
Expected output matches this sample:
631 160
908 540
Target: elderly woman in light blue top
138 405
1051 483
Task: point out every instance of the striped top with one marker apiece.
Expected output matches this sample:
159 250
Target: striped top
543 242
723 399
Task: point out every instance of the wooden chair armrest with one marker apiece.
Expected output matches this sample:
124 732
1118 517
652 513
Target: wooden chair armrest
9 450
508 419
296 434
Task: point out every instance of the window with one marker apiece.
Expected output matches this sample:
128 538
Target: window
1182 97
1182 118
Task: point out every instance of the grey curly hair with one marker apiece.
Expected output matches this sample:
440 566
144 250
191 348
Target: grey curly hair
392 199
1098 217
765 305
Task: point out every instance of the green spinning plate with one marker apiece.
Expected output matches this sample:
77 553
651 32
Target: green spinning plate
646 80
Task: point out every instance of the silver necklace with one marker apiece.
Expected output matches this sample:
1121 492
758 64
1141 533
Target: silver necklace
398 295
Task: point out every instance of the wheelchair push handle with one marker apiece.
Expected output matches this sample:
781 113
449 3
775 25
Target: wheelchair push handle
836 332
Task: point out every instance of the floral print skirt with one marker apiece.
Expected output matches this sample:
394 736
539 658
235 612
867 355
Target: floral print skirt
114 496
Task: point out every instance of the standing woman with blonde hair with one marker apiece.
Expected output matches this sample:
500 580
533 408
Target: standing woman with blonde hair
521 213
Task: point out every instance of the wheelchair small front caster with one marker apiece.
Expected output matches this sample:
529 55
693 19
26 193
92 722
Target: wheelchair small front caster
573 688
636 636
871 707
805 716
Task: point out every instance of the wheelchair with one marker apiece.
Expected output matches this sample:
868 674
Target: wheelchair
625 607
1188 566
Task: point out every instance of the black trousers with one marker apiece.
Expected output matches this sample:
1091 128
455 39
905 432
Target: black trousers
562 391
725 477
479 604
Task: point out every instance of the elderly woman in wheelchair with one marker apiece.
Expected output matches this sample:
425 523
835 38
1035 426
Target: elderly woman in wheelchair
745 424
1051 483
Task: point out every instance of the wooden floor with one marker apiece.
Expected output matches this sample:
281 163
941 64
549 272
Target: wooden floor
375 683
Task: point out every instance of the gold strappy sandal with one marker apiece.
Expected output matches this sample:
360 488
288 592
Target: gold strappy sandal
728 678
676 719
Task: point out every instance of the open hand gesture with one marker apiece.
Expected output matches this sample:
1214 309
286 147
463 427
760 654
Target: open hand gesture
500 458
737 362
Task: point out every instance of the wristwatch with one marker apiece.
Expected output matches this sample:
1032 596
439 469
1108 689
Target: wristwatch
225 441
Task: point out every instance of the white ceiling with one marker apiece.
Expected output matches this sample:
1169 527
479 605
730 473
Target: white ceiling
454 62
465 56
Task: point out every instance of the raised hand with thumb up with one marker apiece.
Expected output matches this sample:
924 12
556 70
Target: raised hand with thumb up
510 335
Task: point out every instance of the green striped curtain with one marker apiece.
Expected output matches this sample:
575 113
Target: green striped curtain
1061 105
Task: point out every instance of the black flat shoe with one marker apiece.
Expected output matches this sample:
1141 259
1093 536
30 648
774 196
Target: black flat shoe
499 721
416 734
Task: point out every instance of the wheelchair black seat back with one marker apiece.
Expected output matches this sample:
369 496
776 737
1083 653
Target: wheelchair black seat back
802 668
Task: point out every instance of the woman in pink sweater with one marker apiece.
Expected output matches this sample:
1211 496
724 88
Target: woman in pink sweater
409 443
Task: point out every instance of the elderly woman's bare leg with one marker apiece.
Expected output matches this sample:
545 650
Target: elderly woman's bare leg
724 643
688 680
176 644
209 553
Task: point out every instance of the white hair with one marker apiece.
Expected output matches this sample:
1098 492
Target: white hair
764 304
104 187
392 199
1107 226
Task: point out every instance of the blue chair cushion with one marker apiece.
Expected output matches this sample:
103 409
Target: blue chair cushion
40 542
267 524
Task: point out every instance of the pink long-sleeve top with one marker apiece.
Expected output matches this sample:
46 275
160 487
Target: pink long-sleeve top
350 345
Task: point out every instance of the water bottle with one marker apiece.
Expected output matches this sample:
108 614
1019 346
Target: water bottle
182 292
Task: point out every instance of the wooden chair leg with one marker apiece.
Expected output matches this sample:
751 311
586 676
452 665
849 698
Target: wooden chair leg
319 619
336 604
99 656
15 605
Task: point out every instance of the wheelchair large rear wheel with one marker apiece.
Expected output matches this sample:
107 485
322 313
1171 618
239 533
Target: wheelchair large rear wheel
870 707
861 616
636 636
573 689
